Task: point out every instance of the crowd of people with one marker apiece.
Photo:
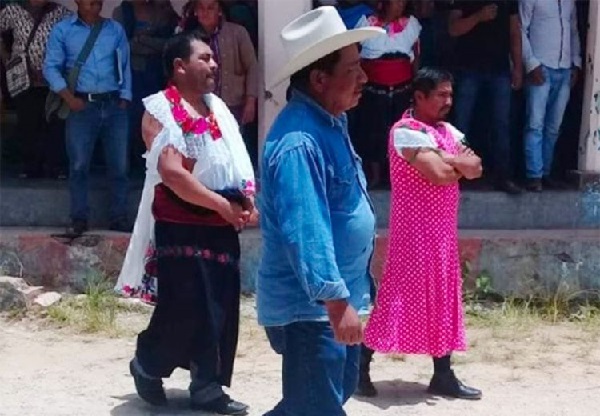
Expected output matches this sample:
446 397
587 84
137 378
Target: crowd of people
101 69
493 48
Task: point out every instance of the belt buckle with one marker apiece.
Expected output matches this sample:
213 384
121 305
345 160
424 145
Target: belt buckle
90 98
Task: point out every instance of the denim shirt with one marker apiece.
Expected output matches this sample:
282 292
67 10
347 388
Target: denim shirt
317 219
99 73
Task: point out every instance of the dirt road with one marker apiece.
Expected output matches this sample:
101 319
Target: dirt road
529 370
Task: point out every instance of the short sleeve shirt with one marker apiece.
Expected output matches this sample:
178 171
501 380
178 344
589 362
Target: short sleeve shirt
487 46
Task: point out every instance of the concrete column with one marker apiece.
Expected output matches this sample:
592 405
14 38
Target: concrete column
589 145
273 15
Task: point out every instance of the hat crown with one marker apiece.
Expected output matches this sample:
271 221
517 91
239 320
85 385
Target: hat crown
311 28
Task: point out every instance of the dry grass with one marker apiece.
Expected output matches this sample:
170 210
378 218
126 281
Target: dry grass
98 311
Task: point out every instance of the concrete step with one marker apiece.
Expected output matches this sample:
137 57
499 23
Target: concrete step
45 203
518 262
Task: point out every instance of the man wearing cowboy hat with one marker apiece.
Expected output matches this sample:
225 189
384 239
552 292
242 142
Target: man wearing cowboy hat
317 219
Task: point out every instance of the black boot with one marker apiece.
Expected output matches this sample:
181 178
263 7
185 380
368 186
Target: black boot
446 384
223 405
365 385
149 389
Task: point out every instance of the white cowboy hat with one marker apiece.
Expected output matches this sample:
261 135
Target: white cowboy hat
314 35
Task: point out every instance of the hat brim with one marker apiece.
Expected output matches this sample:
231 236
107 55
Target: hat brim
324 48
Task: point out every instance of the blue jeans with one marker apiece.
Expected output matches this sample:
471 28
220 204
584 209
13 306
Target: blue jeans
498 88
546 106
107 121
319 374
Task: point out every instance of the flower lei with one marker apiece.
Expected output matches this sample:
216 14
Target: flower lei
188 124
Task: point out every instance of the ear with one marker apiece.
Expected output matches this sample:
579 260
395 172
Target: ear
419 96
318 80
179 66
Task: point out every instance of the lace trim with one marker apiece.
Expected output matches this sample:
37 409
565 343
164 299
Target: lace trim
158 107
405 138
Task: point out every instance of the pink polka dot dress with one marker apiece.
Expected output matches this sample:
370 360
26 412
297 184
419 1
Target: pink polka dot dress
418 309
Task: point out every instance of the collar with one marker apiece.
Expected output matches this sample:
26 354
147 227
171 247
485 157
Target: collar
74 18
305 99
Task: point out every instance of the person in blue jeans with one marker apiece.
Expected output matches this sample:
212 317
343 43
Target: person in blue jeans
488 38
317 219
552 55
98 107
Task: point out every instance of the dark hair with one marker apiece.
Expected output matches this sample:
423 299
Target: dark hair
301 79
178 47
189 18
428 79
384 5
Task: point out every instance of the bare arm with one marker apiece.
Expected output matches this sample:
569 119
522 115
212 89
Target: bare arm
466 162
459 25
516 42
171 167
432 166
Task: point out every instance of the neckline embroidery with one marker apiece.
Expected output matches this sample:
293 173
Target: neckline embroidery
188 124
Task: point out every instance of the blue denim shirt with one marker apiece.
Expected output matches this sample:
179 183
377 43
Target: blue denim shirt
99 73
317 219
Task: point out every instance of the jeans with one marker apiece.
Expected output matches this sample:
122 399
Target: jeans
498 87
319 374
546 106
109 122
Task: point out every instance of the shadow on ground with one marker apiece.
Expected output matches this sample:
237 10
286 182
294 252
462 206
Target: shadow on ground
179 404
398 393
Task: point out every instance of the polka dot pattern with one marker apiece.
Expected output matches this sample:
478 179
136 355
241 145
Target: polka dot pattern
418 309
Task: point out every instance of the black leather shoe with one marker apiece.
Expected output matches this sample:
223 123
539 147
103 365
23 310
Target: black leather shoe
149 390
224 405
446 384
509 187
77 228
365 386
551 183
120 226
534 185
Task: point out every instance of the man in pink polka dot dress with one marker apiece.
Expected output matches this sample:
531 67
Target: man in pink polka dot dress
419 308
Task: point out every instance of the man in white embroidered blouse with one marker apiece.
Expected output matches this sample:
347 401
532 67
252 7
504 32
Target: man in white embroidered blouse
197 196
418 308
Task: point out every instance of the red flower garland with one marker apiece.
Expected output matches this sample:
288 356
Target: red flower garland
188 124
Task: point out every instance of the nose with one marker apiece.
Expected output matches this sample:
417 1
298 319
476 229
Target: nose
213 64
362 77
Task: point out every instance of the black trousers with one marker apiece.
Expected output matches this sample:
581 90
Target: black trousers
195 322
42 144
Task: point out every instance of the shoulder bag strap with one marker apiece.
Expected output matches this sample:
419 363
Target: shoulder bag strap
83 55
36 24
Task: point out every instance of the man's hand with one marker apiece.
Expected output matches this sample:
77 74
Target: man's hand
234 214
574 76
250 206
75 104
345 322
123 104
516 78
467 163
487 13
536 76
249 113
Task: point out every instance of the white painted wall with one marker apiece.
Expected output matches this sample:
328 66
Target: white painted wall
273 15
589 148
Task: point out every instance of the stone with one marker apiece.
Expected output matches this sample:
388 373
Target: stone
11 296
48 299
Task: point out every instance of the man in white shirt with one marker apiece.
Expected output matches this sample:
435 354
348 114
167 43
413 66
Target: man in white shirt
552 57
